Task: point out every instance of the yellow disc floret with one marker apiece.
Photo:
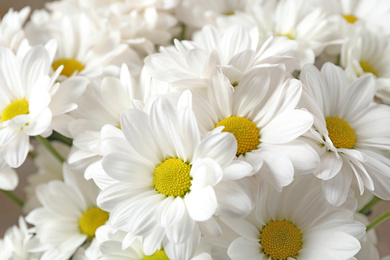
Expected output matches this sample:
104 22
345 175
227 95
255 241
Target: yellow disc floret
158 255
350 18
172 177
367 68
340 132
245 132
17 107
280 240
91 219
70 66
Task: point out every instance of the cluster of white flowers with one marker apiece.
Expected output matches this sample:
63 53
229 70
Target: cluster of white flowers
194 129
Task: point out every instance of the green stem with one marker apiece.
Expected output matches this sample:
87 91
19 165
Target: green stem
13 197
182 35
378 220
49 147
367 208
59 137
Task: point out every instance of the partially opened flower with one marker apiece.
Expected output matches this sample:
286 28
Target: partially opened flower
352 132
11 28
17 242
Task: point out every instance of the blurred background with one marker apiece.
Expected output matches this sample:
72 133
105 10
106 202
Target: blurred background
9 211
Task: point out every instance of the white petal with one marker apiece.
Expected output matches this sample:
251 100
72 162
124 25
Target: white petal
286 127
8 179
244 249
336 189
201 204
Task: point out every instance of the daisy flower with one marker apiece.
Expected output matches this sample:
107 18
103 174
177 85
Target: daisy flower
296 223
24 104
368 52
85 46
11 28
168 180
17 242
351 131
373 14
191 64
69 216
261 114
304 22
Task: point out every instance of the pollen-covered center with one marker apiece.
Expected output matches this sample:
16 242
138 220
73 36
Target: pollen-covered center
245 132
17 107
280 240
350 18
158 255
91 219
70 66
367 68
340 132
172 177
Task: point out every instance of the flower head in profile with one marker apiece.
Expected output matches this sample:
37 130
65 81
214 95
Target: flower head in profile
24 103
169 181
352 132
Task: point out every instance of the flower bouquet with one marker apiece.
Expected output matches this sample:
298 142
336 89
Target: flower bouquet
192 129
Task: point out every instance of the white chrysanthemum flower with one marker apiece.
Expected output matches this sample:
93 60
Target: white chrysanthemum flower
17 242
85 46
373 14
24 103
301 21
69 216
352 132
142 24
49 168
101 104
296 223
234 52
11 28
169 181
261 113
111 247
368 52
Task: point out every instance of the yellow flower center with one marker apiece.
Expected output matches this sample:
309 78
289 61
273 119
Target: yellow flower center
340 132
17 107
288 35
245 132
91 219
229 13
70 66
367 68
172 178
158 255
280 240
350 18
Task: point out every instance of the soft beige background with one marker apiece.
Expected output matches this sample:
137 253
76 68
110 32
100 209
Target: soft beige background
9 211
